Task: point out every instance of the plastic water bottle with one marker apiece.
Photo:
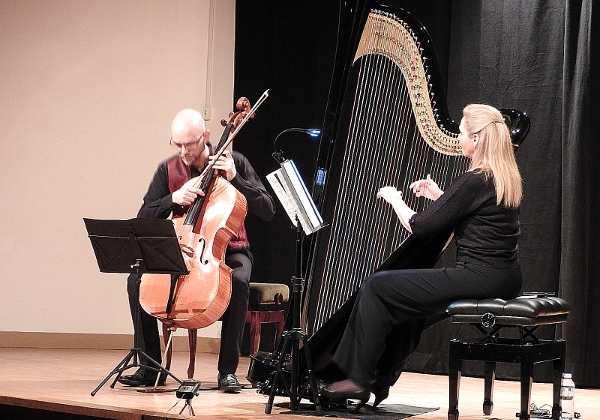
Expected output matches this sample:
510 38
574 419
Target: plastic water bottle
567 397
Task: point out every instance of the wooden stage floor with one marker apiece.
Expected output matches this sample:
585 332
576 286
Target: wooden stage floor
61 381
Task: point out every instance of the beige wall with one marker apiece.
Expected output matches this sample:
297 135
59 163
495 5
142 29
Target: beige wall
88 90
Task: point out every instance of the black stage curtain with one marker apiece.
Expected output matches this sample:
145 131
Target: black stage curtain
579 279
538 56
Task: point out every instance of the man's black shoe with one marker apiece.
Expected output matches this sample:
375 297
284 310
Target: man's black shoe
142 377
229 383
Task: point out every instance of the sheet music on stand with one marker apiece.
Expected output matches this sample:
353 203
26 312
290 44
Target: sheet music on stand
294 197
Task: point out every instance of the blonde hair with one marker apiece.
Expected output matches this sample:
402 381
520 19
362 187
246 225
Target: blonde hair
494 154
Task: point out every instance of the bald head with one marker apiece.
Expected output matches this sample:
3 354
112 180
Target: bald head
187 124
190 137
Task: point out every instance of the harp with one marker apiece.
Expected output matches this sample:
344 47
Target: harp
387 123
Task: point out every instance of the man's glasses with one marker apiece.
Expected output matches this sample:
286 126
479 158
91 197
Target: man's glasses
189 146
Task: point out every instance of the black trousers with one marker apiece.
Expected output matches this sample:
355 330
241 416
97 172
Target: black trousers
146 332
394 307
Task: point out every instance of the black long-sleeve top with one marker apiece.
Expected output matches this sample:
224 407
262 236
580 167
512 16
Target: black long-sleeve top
485 233
158 203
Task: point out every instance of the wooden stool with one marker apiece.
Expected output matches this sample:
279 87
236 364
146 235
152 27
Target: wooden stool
261 295
527 313
192 342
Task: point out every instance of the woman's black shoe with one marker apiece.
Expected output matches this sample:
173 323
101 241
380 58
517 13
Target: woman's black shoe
380 395
347 390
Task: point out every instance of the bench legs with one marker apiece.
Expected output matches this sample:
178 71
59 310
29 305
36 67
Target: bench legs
489 375
454 379
527 355
526 382
558 368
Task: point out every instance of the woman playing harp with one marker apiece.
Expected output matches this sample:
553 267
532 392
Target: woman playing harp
394 307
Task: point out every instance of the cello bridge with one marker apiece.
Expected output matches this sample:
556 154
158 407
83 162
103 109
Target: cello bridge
188 250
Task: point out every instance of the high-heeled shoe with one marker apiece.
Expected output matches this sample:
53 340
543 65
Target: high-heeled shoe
349 392
380 395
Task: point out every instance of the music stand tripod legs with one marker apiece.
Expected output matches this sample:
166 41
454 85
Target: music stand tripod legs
292 339
136 352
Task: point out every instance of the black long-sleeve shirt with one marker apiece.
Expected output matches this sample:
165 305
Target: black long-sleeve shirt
485 233
159 204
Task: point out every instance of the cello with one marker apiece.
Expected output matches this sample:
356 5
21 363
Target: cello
200 297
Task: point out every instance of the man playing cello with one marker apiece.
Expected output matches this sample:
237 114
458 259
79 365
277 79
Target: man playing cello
171 191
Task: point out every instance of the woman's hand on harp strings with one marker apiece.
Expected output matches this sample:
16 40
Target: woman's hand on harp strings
394 197
390 194
187 194
426 188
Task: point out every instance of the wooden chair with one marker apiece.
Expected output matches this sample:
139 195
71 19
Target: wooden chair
262 297
192 342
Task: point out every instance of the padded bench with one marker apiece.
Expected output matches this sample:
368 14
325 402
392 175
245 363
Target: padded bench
526 313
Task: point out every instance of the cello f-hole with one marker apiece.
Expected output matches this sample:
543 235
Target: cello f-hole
202 248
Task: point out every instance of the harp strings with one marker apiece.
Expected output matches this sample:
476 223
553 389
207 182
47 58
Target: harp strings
384 146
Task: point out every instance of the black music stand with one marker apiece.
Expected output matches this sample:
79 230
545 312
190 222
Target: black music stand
298 204
136 246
